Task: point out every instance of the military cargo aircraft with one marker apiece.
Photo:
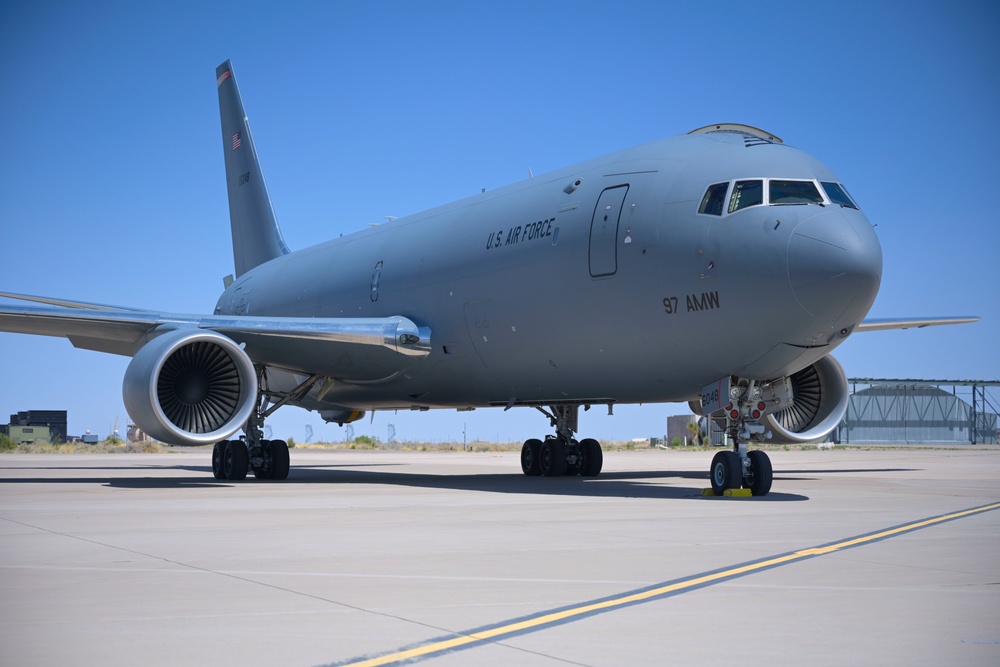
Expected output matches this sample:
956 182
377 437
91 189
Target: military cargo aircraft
720 267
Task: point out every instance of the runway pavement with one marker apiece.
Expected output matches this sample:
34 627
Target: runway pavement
885 557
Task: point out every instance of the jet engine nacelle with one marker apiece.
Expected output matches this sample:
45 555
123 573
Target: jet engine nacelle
190 387
819 403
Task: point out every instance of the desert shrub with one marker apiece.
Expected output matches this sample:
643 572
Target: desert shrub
7 443
367 441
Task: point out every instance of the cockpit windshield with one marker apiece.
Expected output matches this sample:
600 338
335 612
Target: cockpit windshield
714 198
783 193
838 195
746 193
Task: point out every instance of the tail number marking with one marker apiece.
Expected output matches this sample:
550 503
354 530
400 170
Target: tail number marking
244 178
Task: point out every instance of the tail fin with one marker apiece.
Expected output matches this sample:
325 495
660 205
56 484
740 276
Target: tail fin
256 236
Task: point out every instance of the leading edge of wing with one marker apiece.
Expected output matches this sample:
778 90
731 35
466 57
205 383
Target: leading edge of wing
396 333
887 323
100 329
66 303
120 331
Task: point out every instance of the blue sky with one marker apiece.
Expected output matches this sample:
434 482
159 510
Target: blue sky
112 185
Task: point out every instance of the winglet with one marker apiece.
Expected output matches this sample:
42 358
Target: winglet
256 235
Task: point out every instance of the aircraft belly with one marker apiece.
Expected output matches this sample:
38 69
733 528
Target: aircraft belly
781 360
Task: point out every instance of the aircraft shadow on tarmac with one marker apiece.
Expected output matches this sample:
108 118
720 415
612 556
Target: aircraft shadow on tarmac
612 485
609 484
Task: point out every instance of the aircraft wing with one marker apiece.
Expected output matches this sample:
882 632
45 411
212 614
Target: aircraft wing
67 304
349 348
885 323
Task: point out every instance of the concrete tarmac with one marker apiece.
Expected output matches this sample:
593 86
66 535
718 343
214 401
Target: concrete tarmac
458 559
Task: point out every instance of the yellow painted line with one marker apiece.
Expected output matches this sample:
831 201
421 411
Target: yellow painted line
664 590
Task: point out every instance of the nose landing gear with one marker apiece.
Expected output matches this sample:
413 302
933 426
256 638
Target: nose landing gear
741 468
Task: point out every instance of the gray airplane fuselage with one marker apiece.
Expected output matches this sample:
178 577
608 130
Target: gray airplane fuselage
598 283
720 267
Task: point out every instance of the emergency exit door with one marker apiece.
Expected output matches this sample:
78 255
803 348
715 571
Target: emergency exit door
604 231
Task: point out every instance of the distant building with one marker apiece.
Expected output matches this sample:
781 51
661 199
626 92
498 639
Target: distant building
912 412
135 434
678 428
919 412
30 435
53 420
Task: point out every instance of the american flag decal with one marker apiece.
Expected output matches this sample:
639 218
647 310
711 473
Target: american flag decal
236 140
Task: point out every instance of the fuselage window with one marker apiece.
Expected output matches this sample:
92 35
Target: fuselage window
838 195
785 193
746 193
714 199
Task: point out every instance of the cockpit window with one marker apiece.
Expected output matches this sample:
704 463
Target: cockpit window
746 193
794 192
714 199
780 192
838 195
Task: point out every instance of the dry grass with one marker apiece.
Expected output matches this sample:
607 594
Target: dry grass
475 446
104 447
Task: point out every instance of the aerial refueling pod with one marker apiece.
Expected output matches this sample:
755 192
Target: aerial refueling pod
190 387
341 416
819 403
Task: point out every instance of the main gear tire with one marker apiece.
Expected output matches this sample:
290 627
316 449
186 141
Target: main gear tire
530 453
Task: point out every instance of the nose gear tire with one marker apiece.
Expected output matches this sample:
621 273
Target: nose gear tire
726 472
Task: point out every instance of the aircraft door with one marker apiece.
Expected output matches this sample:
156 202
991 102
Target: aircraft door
604 231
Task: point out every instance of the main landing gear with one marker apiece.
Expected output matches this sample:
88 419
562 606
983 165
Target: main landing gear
561 454
268 459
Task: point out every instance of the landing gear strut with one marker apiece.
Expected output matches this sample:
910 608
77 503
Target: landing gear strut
268 459
561 454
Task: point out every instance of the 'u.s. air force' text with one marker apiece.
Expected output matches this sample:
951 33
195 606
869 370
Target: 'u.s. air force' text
515 235
694 302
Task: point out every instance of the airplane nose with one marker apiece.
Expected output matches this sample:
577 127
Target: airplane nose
835 265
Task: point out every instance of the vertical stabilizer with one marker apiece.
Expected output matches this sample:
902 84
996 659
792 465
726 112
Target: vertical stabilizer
256 236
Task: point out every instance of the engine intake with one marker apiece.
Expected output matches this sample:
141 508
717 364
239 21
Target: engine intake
819 403
190 387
